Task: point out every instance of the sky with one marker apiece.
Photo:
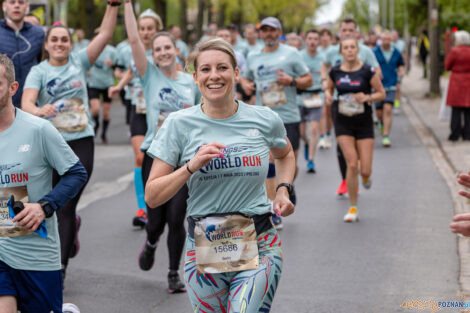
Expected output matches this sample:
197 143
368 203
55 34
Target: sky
329 12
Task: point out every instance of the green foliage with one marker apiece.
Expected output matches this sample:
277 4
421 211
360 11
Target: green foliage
359 10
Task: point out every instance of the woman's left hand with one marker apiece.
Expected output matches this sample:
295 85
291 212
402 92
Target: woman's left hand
282 204
361 97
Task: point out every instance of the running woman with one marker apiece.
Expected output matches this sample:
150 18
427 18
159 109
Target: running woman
233 255
58 87
30 269
352 116
326 122
312 98
348 29
149 23
100 79
392 66
166 90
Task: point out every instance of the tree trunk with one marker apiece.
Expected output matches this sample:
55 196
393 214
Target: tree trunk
221 15
201 5
87 11
433 18
184 20
160 8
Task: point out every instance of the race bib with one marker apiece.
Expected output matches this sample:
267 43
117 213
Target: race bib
311 99
273 95
226 244
161 118
347 106
7 227
140 106
70 115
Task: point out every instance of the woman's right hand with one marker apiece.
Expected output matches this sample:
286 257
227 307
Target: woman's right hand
46 110
328 98
113 91
204 155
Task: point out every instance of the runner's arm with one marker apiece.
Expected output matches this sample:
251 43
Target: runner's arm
304 82
28 104
105 34
376 83
125 79
284 160
138 49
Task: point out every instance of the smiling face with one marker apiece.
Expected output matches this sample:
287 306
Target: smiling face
15 10
164 51
147 29
216 76
58 44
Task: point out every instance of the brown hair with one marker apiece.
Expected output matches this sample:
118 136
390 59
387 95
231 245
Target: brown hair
212 44
348 20
351 38
312 30
9 68
325 31
164 34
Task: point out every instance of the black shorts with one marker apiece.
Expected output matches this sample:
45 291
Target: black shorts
94 93
293 133
359 127
138 123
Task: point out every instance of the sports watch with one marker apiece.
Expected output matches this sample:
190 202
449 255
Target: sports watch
289 187
46 207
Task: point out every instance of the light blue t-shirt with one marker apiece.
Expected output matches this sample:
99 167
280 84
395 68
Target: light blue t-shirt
68 81
77 46
235 183
365 54
102 75
255 48
314 65
323 51
387 53
137 89
241 47
400 45
262 67
183 48
165 95
31 148
123 59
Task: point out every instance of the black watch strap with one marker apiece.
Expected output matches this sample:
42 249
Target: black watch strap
46 207
289 187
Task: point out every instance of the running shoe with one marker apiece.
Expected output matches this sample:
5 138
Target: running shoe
70 308
321 143
140 218
328 141
310 166
277 221
396 104
342 189
386 142
76 242
352 215
366 182
174 283
147 256
306 152
380 128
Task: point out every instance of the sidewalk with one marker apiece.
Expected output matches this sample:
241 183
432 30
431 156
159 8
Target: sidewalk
451 158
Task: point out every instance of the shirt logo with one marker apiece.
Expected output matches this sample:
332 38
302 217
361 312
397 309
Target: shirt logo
24 148
253 132
170 97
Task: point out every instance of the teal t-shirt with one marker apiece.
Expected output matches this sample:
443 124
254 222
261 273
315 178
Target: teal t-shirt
31 148
366 55
58 83
77 46
123 59
314 65
241 47
235 183
102 75
137 89
183 48
165 95
323 51
255 48
387 53
400 45
262 67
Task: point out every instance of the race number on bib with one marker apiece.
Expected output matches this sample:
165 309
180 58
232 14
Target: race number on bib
348 106
273 95
7 227
140 105
311 99
70 115
226 244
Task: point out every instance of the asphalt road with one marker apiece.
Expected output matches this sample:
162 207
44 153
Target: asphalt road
401 250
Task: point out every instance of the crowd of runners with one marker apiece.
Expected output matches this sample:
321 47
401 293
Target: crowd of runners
227 115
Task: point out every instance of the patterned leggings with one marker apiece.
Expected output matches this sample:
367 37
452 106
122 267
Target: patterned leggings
242 292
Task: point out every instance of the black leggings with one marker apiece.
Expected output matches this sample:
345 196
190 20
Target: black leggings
84 149
341 161
172 212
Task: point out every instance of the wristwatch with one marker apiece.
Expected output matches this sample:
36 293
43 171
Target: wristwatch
46 207
293 83
289 187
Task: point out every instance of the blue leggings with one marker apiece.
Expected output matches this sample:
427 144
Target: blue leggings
242 292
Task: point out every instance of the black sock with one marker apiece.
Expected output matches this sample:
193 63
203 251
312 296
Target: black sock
104 129
96 118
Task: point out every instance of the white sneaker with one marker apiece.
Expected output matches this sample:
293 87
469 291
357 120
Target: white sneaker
366 182
328 142
322 143
70 308
351 216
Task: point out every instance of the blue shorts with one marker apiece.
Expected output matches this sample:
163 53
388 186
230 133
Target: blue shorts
35 291
389 98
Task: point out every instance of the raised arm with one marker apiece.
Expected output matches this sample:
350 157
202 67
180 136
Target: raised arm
138 49
105 34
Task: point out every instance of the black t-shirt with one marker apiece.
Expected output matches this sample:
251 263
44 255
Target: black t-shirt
353 82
